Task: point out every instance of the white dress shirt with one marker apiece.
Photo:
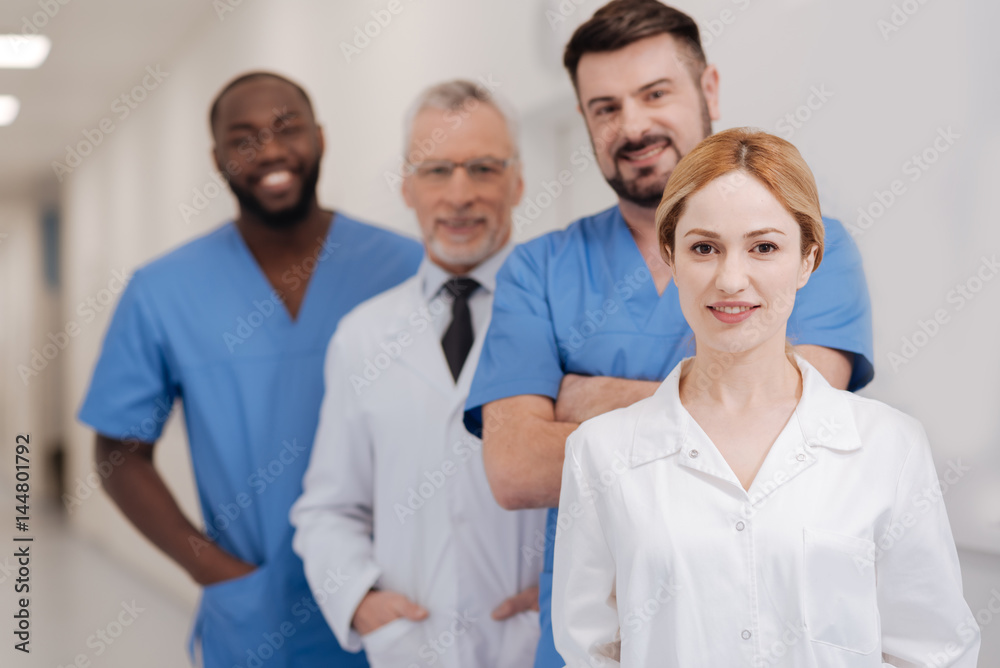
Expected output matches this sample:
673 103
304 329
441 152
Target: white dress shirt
840 554
396 496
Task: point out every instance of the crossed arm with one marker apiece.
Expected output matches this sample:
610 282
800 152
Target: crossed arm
525 438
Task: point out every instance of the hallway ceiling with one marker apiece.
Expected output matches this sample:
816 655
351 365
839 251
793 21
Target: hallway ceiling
100 48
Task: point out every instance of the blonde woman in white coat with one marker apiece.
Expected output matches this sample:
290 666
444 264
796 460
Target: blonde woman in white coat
748 514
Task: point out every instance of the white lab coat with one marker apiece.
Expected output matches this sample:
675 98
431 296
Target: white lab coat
396 495
839 555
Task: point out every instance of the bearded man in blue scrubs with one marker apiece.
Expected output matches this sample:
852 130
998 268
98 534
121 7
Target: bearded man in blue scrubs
235 324
586 320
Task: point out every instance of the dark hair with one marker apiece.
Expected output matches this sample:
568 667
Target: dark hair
622 22
252 76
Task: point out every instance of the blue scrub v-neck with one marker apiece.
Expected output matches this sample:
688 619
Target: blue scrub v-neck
647 307
261 284
202 324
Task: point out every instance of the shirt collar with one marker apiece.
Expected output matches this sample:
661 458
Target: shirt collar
823 414
434 277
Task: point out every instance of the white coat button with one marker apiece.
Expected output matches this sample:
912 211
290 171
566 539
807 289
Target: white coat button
745 635
740 526
801 456
693 454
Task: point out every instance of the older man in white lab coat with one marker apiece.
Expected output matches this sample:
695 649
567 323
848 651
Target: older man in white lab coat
409 554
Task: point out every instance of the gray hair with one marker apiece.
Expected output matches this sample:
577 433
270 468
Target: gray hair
456 95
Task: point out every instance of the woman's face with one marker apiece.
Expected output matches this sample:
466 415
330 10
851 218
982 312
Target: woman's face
737 264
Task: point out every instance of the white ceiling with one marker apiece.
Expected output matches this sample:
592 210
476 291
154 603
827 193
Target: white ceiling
99 49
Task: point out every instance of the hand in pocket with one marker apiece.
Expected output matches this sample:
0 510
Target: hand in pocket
378 608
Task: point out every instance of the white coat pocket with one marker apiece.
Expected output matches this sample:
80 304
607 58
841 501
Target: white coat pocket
395 645
520 639
840 598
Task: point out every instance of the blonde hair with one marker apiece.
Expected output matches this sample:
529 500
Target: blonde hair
771 160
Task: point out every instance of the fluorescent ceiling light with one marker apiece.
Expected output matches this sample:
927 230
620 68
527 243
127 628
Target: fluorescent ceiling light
9 106
23 51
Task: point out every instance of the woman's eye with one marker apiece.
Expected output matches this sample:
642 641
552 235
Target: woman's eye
702 249
765 248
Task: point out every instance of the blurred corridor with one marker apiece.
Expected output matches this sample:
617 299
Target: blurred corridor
107 165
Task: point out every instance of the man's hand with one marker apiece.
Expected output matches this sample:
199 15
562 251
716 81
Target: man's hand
583 397
378 608
143 497
516 604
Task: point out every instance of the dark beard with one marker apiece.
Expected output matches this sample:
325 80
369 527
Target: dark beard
649 197
285 218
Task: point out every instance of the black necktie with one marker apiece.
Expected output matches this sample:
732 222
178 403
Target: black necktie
458 338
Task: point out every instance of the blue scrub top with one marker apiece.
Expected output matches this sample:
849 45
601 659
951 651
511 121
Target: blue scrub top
582 301
203 325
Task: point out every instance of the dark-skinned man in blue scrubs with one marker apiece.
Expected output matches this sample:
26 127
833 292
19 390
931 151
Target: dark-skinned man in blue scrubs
234 325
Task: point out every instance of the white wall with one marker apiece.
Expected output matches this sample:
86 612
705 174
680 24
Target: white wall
889 98
29 392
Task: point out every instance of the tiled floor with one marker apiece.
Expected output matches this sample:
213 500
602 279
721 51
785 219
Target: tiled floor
88 612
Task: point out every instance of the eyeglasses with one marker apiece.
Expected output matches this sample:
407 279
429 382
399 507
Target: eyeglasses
481 170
